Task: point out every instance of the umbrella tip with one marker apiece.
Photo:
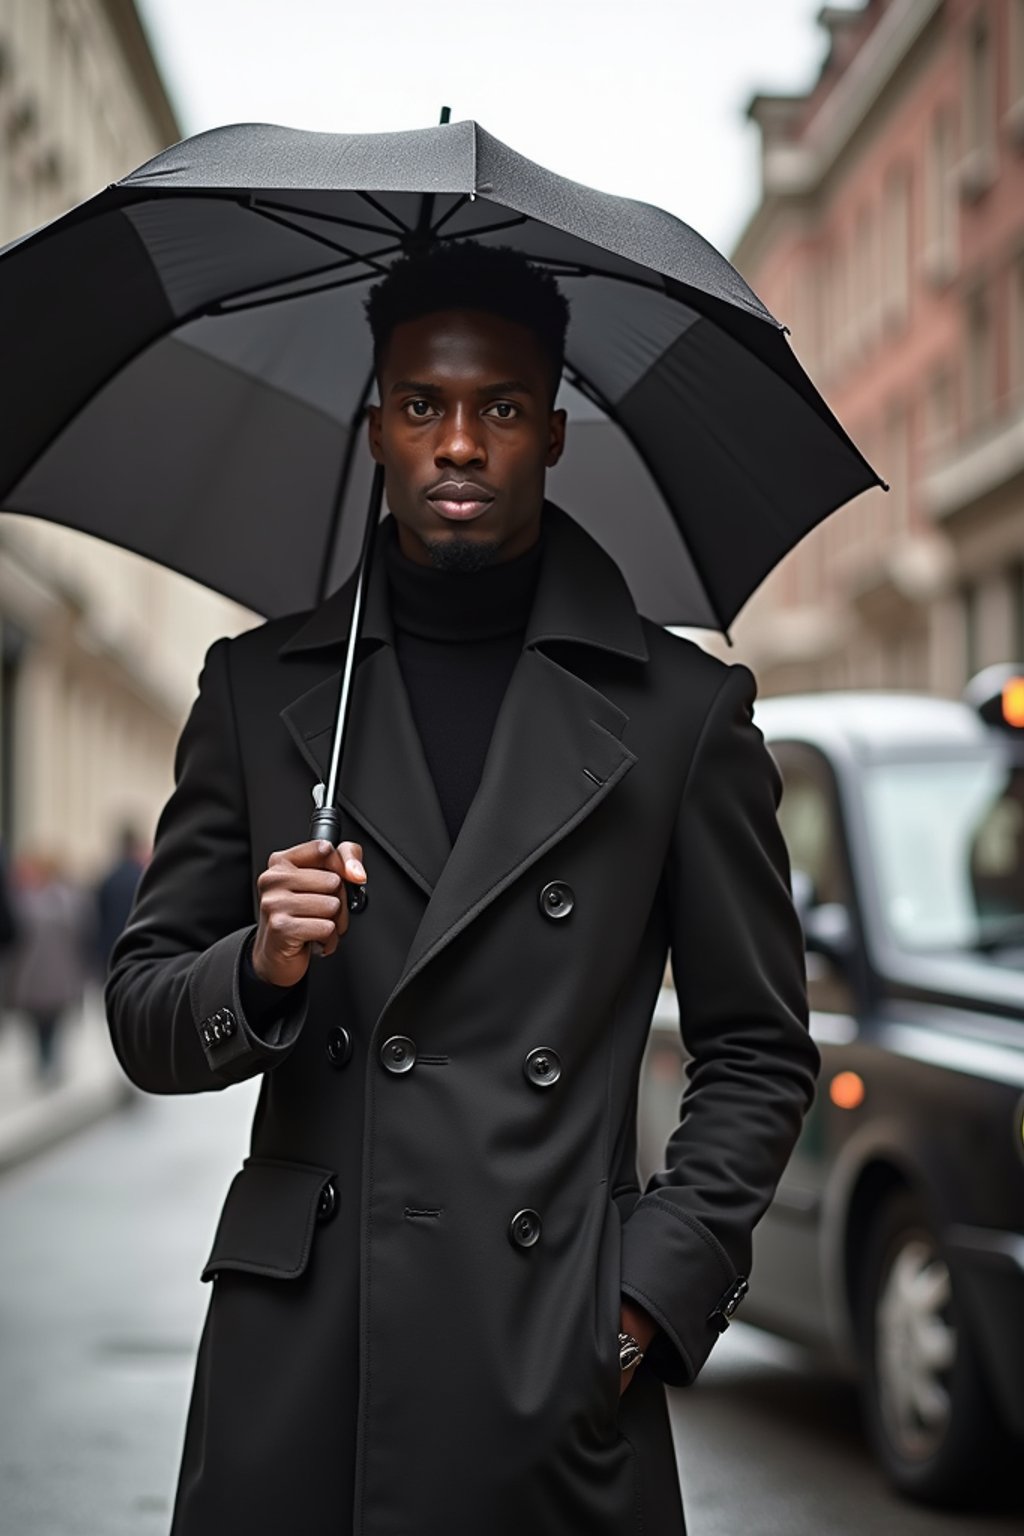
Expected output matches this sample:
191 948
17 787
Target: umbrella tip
446 116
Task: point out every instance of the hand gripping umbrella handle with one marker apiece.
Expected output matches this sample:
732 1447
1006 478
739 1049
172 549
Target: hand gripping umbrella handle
326 823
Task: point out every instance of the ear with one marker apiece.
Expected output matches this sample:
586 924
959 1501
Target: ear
373 429
556 438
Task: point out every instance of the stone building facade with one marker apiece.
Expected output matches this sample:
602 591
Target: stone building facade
889 237
99 651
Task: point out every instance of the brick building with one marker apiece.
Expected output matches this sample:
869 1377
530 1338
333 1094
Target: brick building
889 237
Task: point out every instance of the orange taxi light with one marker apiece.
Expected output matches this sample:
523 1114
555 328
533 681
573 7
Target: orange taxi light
846 1090
1013 701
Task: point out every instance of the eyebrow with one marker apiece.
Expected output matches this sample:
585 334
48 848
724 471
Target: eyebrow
502 387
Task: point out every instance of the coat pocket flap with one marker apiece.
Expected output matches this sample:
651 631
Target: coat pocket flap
267 1223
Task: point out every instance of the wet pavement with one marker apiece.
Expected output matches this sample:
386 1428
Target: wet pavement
101 1244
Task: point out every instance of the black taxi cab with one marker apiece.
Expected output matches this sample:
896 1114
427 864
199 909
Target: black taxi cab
895 1244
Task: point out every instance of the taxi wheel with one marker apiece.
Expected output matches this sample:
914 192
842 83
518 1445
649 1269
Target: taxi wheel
927 1410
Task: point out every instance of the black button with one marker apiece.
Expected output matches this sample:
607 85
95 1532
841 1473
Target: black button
218 1029
557 900
542 1067
207 1035
398 1054
229 1026
339 1047
524 1228
328 1202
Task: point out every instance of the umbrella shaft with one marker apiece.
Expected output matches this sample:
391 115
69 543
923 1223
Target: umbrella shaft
372 520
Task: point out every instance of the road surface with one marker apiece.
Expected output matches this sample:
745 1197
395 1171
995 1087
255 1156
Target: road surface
101 1244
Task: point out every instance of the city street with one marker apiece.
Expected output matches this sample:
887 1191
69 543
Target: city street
100 1311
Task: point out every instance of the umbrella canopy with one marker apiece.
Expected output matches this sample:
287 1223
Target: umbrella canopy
193 365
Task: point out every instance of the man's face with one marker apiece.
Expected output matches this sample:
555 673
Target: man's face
465 431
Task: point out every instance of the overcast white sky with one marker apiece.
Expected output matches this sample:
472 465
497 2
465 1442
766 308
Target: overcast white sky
642 97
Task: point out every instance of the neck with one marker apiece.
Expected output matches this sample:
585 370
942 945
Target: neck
454 605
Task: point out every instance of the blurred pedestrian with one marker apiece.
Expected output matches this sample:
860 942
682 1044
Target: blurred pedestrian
116 892
50 958
8 926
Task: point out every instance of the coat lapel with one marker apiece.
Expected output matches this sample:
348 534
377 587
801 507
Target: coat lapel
557 750
385 783
555 754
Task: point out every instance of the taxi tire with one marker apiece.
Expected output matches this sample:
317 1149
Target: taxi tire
972 1442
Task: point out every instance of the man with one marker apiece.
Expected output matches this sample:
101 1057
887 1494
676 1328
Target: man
436 1273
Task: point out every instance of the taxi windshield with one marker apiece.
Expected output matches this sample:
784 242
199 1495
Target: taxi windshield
947 841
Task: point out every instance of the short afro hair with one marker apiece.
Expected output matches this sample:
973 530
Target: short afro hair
462 274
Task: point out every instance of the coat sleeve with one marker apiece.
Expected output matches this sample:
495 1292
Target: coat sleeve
738 965
173 996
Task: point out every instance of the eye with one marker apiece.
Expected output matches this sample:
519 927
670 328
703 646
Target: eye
419 410
504 409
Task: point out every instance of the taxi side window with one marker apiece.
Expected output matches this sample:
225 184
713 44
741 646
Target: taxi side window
809 818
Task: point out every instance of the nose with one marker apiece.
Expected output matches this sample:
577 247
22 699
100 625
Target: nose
460 439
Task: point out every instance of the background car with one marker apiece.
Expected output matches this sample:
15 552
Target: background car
895 1243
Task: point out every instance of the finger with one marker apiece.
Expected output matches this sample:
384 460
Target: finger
286 877
317 853
288 933
303 904
351 855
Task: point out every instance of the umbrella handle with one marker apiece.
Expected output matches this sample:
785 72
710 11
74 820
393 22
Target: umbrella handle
326 823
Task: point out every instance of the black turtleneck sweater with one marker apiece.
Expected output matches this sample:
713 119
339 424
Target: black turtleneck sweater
458 636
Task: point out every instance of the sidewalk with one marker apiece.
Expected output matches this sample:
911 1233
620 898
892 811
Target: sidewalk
91 1084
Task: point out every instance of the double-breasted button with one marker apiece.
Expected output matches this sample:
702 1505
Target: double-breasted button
557 900
542 1067
398 1053
328 1202
524 1228
339 1047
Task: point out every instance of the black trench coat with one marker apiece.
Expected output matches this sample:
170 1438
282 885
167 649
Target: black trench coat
391 1348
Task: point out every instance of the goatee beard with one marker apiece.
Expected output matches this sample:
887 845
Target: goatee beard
463 555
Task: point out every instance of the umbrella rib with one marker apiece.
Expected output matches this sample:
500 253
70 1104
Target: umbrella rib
586 387
452 211
385 213
490 229
247 304
340 488
578 269
309 234
325 218
247 298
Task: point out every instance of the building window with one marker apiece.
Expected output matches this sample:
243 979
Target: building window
897 246
969 613
980 358
978 167
1017 607
939 255
867 294
940 411
1015 61
896 468
1017 321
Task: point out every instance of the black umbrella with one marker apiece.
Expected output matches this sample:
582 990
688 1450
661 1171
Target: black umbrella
191 367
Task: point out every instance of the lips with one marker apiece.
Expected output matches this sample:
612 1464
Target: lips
459 500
